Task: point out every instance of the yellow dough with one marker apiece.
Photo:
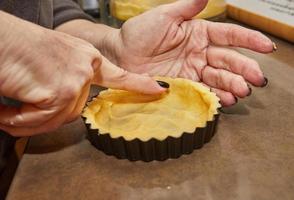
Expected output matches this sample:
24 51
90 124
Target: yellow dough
186 106
125 9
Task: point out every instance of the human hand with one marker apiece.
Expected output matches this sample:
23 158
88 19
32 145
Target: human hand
165 41
51 73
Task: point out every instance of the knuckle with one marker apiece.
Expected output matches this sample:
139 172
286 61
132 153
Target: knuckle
122 78
50 98
252 67
122 75
96 63
231 37
204 73
252 63
249 66
239 79
95 54
219 79
227 61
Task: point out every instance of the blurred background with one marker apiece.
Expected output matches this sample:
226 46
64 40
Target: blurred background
117 11
274 17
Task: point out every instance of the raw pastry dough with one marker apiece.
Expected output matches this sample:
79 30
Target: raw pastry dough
186 106
125 9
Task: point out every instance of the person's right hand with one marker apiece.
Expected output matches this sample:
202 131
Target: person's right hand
51 73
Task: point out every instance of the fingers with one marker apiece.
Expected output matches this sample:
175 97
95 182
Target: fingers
238 36
109 75
80 104
185 9
237 63
27 127
225 80
15 128
29 131
27 114
226 98
33 119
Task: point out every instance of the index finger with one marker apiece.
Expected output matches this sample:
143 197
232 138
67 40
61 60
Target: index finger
238 36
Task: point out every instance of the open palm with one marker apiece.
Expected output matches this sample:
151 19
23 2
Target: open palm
165 41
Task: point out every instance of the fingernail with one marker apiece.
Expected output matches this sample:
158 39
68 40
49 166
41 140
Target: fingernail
275 46
250 91
163 84
265 82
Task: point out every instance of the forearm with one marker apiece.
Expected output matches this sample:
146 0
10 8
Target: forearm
15 34
87 30
7 34
5 22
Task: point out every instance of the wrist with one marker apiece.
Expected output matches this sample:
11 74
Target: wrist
7 33
109 46
17 37
86 30
101 36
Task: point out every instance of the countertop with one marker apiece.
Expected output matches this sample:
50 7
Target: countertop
250 157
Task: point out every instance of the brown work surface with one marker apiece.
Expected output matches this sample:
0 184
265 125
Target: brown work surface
250 157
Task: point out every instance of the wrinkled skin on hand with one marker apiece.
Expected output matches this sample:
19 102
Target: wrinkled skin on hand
165 41
51 73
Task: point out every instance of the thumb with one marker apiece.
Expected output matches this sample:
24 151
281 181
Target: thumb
186 9
110 76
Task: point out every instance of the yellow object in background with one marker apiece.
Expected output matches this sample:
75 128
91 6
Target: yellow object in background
125 9
214 8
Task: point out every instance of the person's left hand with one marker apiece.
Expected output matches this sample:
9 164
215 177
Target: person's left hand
165 41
